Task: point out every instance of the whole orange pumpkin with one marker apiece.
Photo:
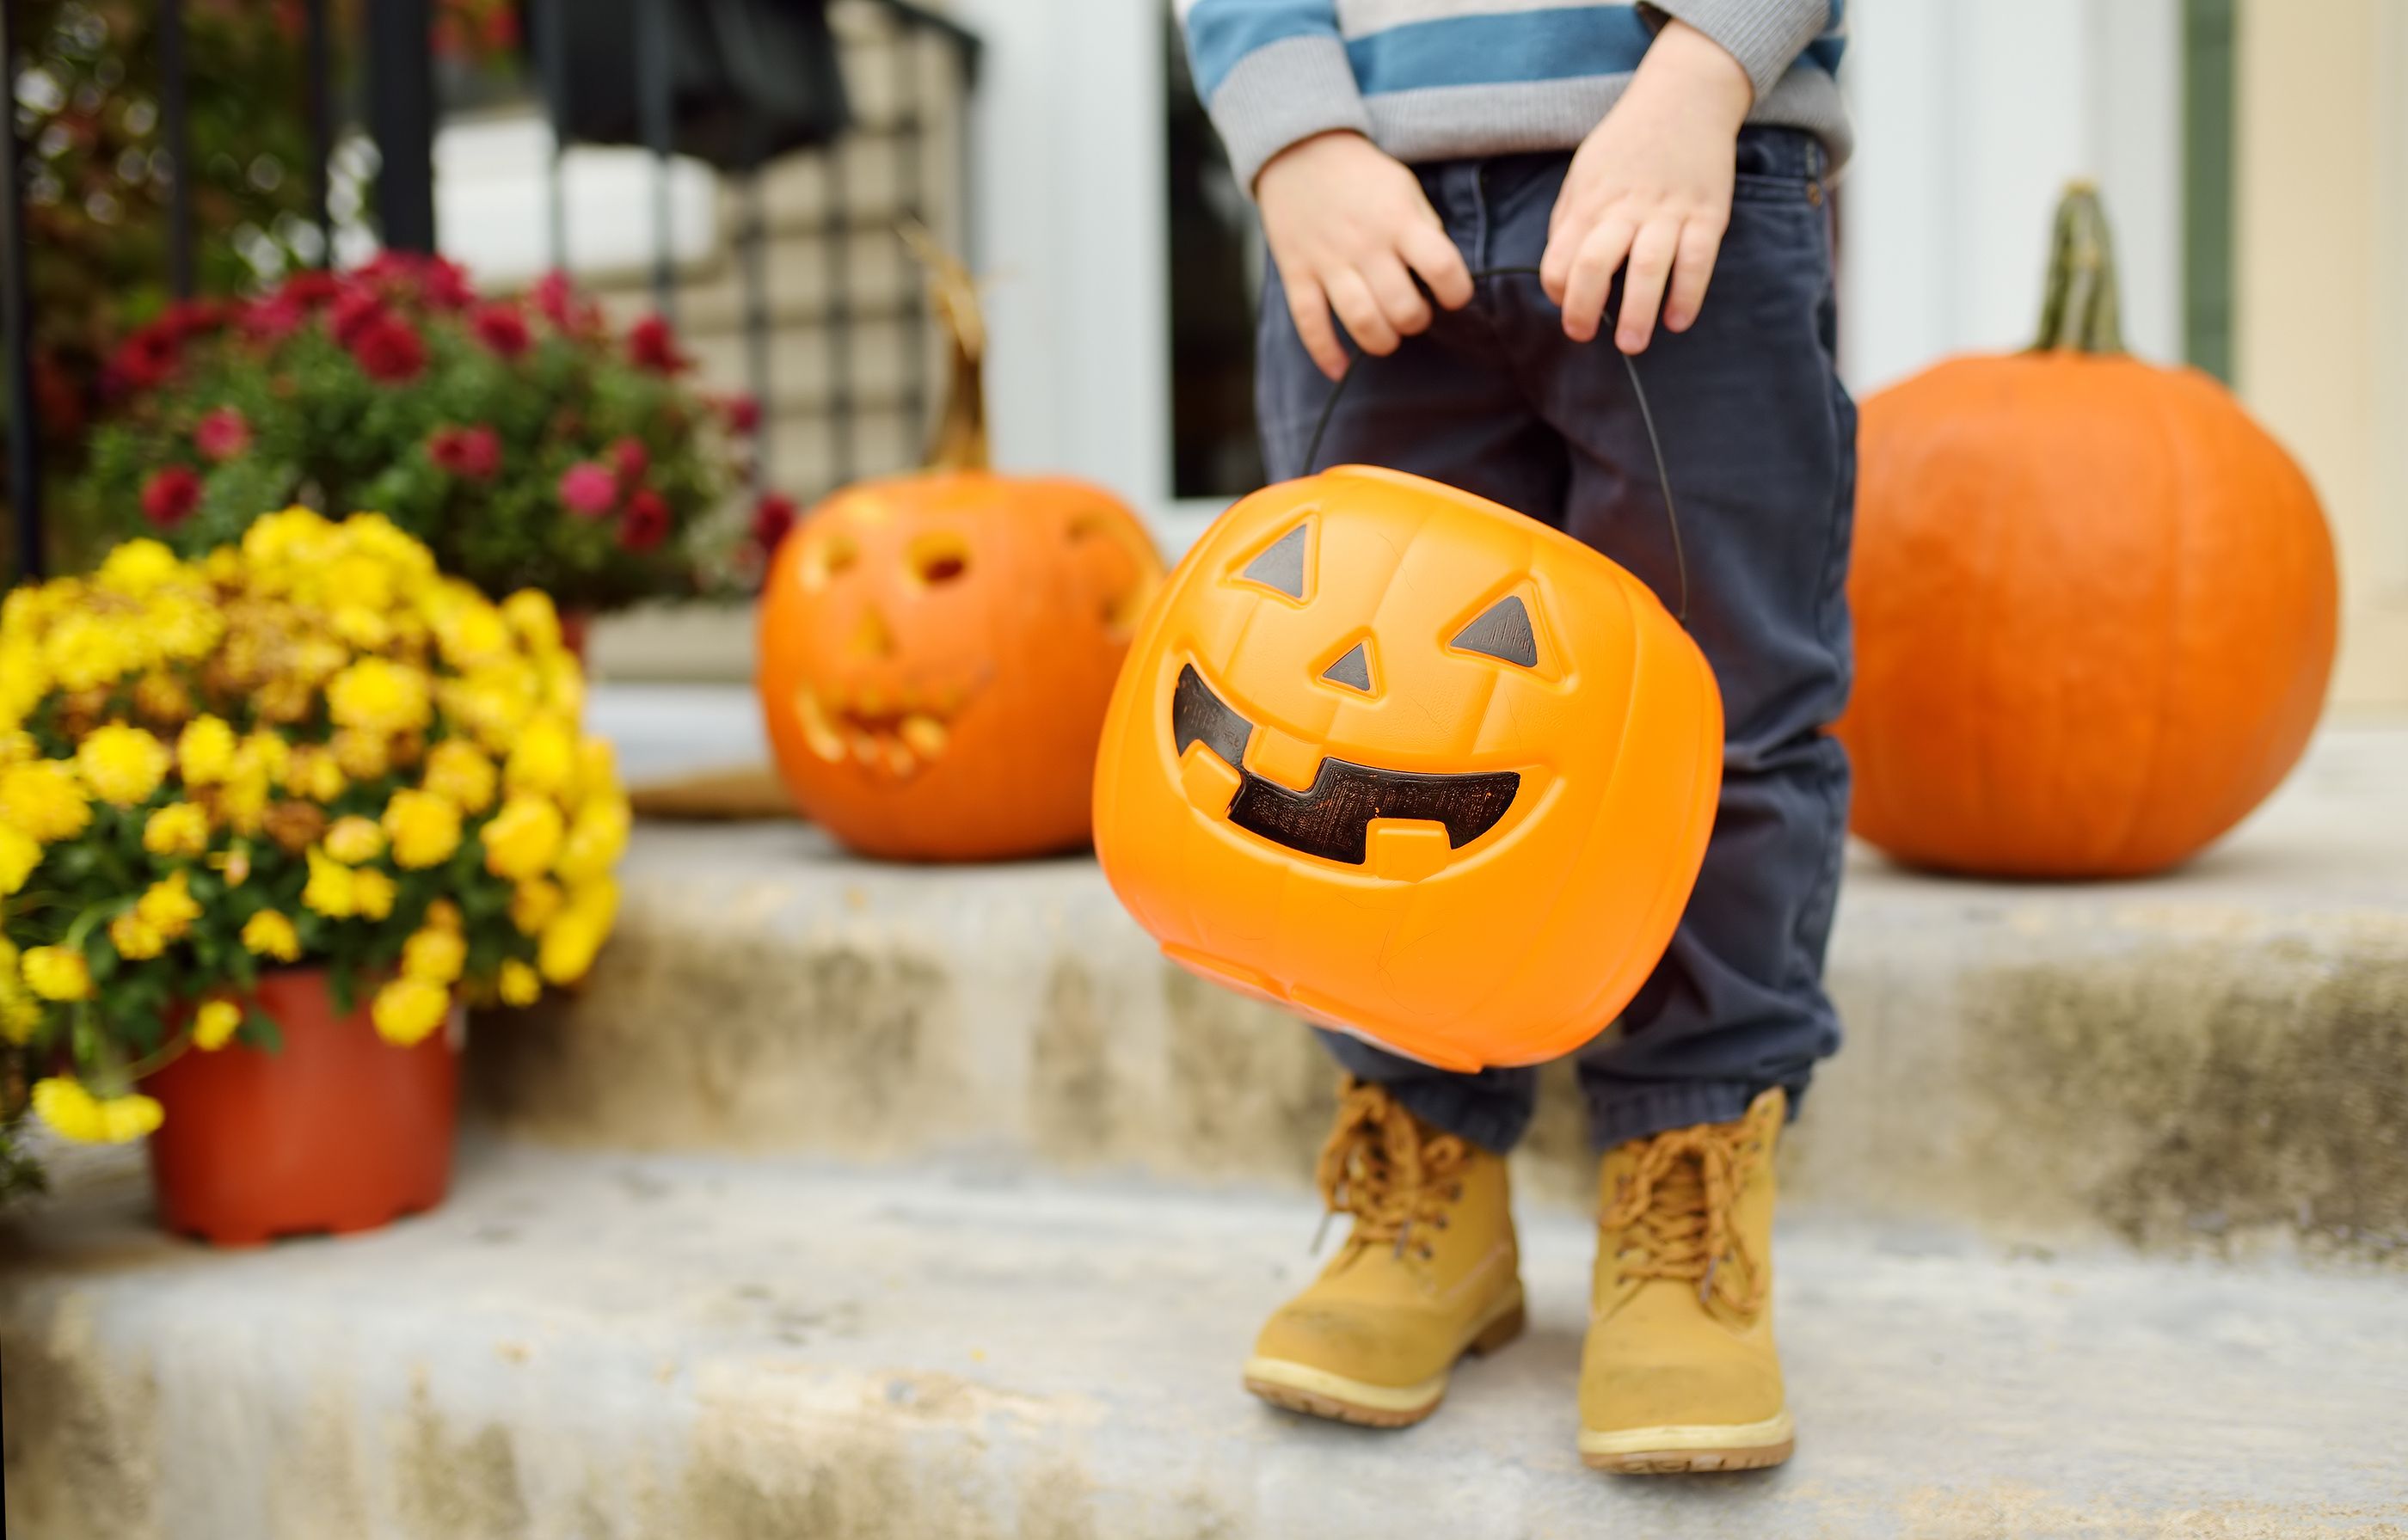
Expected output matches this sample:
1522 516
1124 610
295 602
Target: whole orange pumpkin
2095 602
936 650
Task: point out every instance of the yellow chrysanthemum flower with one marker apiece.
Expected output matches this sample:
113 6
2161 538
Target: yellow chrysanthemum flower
424 830
138 568
270 934
204 752
45 800
531 614
84 650
471 633
57 973
409 1009
122 764
136 938
444 915
73 1112
363 755
436 956
562 684
519 985
377 695
543 760
533 902
566 949
360 627
523 837
596 838
373 893
313 773
459 771
17 746
20 853
169 904
330 890
215 1023
597 767
176 831
20 1012
353 840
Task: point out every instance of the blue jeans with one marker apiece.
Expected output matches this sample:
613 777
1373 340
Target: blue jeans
1759 440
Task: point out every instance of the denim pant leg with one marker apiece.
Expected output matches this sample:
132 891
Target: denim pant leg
1447 405
1759 444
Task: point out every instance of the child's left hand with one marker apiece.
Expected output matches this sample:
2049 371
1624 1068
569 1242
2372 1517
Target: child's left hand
1652 184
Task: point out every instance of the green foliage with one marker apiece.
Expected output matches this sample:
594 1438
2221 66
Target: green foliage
398 390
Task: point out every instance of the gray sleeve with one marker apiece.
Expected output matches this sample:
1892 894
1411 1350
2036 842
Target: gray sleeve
1766 36
1281 93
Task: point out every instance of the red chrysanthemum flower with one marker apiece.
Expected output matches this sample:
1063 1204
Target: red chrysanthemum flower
354 310
772 518
646 522
171 494
588 489
629 458
652 345
743 413
389 350
475 453
503 329
147 358
222 434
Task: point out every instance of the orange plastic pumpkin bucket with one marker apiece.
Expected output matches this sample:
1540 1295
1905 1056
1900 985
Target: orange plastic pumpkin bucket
338 1131
1412 764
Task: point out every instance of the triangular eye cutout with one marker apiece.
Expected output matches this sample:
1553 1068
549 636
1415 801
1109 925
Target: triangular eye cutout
1501 632
1354 670
1281 567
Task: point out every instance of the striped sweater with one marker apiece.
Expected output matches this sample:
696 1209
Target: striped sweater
1434 80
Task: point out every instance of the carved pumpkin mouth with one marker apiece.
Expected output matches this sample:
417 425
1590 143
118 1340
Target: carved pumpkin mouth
1332 819
895 732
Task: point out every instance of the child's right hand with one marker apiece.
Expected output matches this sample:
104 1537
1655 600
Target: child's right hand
1345 222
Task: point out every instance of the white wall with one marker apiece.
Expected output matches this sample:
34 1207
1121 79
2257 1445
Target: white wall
1067 228
1970 116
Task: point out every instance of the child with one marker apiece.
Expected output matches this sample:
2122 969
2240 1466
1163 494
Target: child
1397 149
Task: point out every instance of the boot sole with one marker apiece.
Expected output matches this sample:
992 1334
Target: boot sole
1317 1392
1687 1450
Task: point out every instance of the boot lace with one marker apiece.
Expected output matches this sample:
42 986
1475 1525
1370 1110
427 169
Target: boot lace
1673 1214
1383 1167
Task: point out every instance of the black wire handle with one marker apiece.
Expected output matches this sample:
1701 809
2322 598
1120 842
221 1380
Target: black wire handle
1647 418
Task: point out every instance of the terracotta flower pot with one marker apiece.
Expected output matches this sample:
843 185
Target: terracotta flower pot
338 1131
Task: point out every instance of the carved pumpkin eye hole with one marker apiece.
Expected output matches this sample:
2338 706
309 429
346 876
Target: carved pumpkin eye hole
1281 565
1502 632
832 557
940 559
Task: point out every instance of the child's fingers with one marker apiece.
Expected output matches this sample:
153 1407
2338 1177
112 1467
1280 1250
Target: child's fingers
1400 301
1701 241
1351 298
1555 263
1642 283
1309 307
1431 254
1592 276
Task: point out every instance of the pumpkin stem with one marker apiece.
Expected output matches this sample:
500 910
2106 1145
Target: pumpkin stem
959 443
2081 309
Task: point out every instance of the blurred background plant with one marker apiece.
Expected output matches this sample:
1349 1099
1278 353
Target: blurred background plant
98 179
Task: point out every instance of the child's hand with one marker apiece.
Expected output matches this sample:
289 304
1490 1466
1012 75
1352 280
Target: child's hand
1651 183
1345 220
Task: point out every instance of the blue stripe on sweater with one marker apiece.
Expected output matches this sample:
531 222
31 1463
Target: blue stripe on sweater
1222 32
1500 49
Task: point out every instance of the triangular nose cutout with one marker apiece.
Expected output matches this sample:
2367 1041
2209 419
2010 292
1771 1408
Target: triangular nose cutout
1354 670
871 639
1281 566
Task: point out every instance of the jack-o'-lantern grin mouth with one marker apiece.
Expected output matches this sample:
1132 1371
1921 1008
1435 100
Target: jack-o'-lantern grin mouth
1332 818
896 731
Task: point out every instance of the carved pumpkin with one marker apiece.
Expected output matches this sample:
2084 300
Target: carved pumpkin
936 650
1418 767
2094 602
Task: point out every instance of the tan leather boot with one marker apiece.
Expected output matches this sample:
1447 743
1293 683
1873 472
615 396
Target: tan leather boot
1680 1372
1430 1272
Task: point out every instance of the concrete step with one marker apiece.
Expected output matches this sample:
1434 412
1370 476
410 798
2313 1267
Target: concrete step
713 1349
2215 1059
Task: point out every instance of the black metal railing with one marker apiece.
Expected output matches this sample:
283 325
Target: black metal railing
401 112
